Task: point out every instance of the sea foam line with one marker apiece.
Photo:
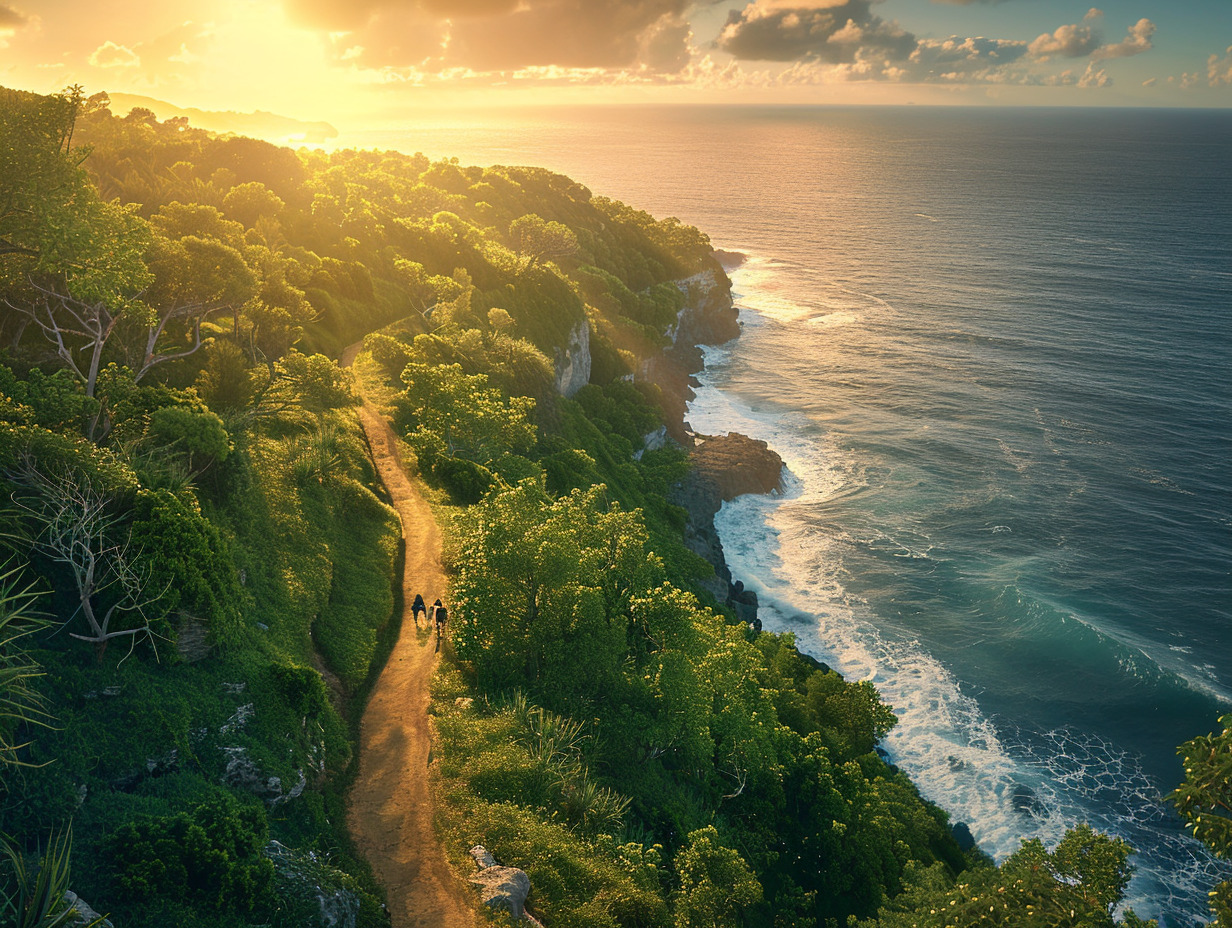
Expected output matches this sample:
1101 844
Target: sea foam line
1004 792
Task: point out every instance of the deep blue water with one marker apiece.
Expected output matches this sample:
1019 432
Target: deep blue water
995 349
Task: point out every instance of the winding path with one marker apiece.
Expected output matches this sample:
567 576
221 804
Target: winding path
389 810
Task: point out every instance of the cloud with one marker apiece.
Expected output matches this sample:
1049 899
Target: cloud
504 35
1135 43
111 55
957 59
1073 41
10 19
1079 41
1094 79
1219 70
837 31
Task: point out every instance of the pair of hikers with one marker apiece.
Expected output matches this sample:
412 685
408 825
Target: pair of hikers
437 614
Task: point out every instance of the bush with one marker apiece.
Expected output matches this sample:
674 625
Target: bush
464 481
211 856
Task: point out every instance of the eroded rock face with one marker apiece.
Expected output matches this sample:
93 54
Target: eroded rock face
573 361
709 318
724 467
737 464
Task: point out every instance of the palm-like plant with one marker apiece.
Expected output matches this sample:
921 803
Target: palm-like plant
20 703
41 900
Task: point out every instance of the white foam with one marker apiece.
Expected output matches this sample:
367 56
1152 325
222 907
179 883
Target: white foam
1004 786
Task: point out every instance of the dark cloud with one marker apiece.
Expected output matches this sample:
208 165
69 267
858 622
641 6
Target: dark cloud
10 18
505 35
837 31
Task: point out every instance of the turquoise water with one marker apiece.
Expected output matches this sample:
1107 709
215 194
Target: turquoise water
994 348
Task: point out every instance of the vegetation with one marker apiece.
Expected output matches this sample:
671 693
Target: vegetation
195 519
1204 800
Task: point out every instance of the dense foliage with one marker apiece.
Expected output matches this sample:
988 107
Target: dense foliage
194 513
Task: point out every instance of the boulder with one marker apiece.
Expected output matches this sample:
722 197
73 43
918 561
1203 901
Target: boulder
737 464
85 915
501 889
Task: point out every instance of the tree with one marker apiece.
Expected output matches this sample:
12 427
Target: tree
545 587
1204 800
538 240
1076 885
445 410
75 525
716 885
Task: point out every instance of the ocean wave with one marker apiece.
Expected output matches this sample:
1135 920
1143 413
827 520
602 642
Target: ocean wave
1005 785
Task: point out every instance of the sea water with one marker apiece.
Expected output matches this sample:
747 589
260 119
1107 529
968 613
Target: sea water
994 348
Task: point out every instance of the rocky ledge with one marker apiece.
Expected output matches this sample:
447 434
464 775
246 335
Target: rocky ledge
724 467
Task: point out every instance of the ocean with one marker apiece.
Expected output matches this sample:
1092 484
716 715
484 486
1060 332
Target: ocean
994 348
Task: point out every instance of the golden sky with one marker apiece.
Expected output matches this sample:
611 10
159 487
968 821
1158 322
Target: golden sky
366 63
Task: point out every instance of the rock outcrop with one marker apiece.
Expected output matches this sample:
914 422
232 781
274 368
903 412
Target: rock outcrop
84 913
724 467
573 361
501 889
708 318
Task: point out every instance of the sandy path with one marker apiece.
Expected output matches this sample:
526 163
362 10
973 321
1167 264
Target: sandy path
389 811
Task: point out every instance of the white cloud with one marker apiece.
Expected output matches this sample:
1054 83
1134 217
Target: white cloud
111 55
1072 41
1135 43
1219 70
1093 78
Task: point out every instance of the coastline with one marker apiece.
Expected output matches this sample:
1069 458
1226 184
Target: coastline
722 467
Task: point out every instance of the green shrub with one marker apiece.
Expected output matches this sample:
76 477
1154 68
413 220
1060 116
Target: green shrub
465 481
211 855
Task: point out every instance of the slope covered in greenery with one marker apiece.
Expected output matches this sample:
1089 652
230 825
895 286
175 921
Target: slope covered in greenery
190 503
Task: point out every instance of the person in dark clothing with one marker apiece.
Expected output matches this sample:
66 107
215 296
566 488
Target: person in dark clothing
418 607
440 616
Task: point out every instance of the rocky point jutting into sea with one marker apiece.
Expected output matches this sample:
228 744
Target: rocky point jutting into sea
723 466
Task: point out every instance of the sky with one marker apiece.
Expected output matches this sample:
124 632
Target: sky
368 63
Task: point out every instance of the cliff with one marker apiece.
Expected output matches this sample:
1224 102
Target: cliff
708 318
725 466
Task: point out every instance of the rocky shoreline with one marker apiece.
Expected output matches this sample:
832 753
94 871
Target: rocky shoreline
723 466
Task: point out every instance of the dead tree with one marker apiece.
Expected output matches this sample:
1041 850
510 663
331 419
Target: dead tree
75 527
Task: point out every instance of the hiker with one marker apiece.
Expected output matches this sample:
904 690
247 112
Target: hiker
440 616
417 607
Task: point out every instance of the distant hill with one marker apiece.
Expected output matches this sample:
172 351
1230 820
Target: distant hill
258 124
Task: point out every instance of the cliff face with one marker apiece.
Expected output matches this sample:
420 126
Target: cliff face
725 466
708 318
573 361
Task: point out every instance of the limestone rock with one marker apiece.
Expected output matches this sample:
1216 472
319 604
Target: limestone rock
708 318
573 361
243 773
85 914
503 889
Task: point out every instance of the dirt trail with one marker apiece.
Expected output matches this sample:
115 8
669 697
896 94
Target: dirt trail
389 811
